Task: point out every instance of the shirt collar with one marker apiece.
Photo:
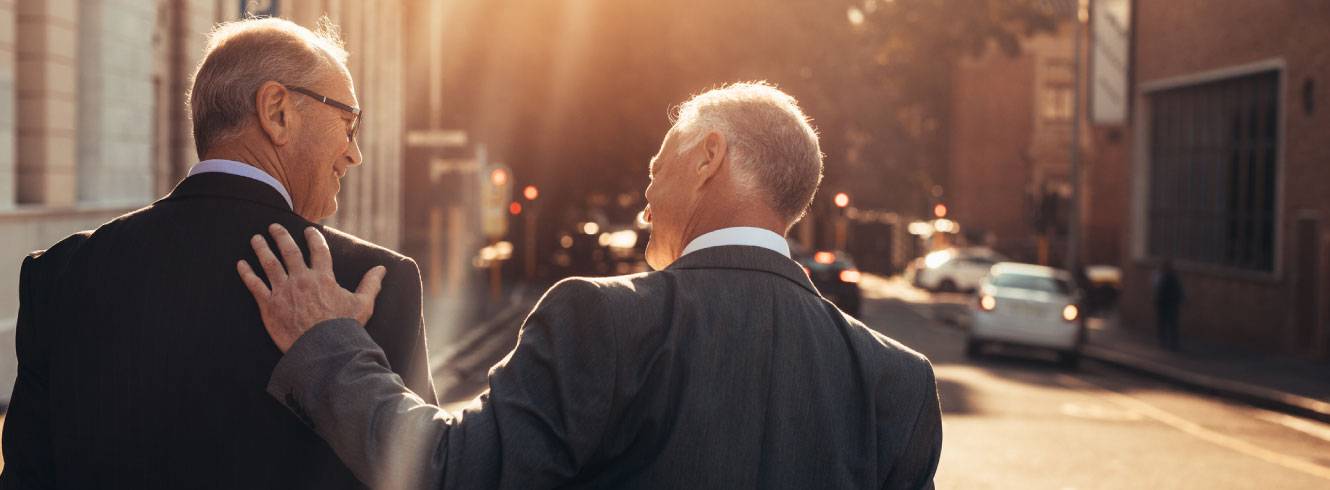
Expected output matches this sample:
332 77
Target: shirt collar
740 235
244 170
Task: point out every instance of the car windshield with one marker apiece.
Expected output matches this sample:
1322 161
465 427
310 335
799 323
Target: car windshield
1033 283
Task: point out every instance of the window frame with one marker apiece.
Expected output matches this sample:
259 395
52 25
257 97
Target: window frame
1147 124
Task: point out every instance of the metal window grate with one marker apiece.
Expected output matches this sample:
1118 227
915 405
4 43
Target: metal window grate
1212 172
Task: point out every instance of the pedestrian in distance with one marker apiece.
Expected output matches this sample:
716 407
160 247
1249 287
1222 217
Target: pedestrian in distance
723 368
1168 299
143 362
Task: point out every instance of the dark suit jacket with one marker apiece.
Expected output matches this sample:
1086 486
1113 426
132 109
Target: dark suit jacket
143 360
725 370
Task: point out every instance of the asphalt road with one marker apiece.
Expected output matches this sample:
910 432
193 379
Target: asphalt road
1016 420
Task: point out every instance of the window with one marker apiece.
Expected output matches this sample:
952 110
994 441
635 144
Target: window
1032 283
1212 172
1056 104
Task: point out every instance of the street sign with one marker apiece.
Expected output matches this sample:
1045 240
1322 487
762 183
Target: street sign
1110 26
438 167
436 138
496 192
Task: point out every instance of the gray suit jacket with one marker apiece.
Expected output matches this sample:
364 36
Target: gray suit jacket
725 370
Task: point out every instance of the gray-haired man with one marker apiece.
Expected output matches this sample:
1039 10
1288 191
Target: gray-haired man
723 369
142 360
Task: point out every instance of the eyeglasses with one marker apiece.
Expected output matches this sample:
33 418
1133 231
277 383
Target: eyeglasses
355 111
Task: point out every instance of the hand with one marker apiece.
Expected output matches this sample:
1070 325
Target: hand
301 296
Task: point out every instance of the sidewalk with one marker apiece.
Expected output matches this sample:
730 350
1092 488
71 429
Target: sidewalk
1292 386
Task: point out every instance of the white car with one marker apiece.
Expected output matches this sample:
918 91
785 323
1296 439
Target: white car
1029 305
955 269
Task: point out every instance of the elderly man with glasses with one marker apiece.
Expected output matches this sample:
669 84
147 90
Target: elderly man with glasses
143 360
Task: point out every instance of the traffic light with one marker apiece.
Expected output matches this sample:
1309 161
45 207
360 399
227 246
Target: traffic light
530 193
841 200
515 208
940 210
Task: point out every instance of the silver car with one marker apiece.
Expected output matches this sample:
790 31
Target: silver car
1028 305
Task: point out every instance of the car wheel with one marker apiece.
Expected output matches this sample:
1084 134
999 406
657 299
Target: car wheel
1069 359
972 348
947 286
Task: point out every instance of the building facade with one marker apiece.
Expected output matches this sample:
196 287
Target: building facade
1009 179
1228 171
93 119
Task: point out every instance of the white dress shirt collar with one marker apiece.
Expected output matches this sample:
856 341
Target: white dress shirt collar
740 235
242 169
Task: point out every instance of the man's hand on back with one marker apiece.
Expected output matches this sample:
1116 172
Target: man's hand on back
301 296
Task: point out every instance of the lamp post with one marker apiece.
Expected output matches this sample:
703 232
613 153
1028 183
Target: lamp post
1073 204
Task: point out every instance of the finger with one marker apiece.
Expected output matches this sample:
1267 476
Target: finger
291 254
271 266
371 284
319 255
252 282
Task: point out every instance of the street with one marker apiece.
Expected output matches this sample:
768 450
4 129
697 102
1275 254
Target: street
1015 419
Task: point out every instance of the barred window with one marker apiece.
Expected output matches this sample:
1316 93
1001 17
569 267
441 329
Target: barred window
1212 172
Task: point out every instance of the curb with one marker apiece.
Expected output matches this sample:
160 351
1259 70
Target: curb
1258 396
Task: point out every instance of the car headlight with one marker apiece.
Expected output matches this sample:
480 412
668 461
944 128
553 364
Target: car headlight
1069 313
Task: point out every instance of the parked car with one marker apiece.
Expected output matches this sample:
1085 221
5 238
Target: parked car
955 269
834 274
1030 305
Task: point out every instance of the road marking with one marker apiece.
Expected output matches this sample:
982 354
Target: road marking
1096 411
1319 431
1197 431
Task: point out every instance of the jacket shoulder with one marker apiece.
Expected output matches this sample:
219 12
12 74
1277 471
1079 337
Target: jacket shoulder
338 239
631 289
61 250
892 355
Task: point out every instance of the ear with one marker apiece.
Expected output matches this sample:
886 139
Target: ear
273 105
713 154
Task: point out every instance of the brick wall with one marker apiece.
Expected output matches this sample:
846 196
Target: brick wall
990 165
1176 39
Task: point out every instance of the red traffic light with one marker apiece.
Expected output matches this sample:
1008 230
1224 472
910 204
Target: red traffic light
530 193
842 200
940 210
498 176
515 208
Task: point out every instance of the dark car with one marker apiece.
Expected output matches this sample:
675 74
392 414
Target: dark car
834 274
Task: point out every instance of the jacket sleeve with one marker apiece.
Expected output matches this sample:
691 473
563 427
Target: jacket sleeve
413 353
27 435
918 460
541 420
29 460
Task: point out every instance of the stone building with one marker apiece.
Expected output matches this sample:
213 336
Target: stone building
1009 170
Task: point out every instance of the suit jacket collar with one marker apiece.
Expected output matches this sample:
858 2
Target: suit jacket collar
746 258
228 186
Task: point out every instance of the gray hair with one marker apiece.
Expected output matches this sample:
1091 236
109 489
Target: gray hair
243 55
773 148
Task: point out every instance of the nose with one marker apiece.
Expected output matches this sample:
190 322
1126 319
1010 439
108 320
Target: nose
646 214
353 156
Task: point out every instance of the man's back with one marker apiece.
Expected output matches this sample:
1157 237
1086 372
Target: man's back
731 372
156 359
741 376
